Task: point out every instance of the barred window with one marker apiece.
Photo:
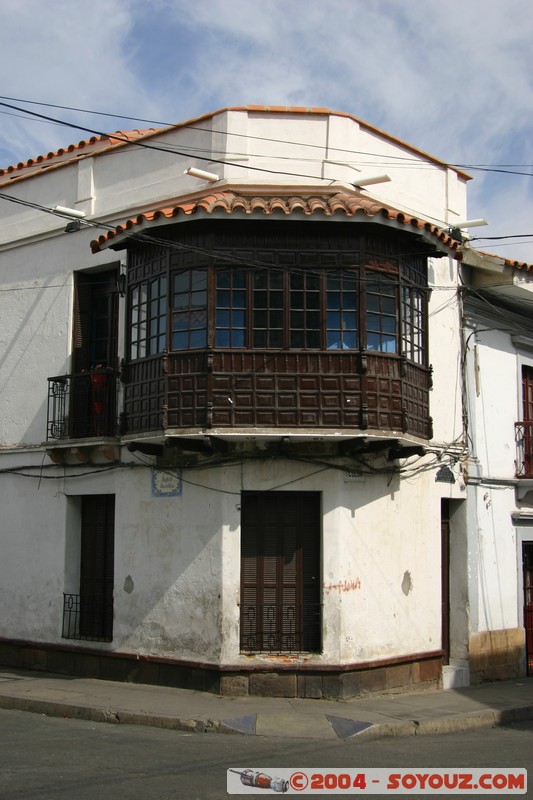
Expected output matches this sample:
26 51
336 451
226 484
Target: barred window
304 314
274 309
148 309
268 310
381 314
341 318
231 309
413 323
189 310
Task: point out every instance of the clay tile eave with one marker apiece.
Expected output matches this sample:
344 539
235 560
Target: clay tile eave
121 138
229 202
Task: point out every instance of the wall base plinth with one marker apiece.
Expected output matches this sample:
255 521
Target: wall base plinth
327 682
497 655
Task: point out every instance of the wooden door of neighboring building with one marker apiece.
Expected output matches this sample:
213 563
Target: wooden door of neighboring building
445 577
280 572
527 406
527 561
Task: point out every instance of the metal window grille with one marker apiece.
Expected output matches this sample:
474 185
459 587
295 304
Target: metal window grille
87 618
82 405
281 628
524 446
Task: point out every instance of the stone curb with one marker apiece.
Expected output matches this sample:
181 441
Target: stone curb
455 723
111 715
488 718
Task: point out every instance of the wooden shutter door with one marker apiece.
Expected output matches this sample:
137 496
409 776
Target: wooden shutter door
527 402
97 566
527 555
280 571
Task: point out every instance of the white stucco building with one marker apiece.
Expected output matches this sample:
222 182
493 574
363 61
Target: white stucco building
245 443
498 374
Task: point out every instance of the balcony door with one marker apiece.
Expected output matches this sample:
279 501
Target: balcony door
280 572
95 339
527 561
95 321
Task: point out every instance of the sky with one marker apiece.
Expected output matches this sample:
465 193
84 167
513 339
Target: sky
451 77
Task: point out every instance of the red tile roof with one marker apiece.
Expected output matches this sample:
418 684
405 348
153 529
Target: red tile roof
129 136
518 264
228 202
508 261
94 144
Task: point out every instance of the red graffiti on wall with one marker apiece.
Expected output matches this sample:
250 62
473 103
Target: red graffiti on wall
343 586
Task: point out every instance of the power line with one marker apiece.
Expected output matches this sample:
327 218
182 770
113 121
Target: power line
498 168
174 151
495 238
160 148
210 159
151 239
205 130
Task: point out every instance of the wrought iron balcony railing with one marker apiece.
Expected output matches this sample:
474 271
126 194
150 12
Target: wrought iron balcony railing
82 405
524 446
88 617
281 628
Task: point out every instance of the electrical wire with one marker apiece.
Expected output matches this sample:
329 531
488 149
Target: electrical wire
210 159
407 471
161 148
415 162
210 253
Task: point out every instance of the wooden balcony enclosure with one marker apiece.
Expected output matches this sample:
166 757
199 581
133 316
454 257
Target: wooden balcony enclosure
252 391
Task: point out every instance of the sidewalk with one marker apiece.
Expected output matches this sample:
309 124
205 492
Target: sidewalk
418 713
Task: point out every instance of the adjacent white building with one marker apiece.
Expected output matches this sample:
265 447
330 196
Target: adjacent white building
258 401
498 375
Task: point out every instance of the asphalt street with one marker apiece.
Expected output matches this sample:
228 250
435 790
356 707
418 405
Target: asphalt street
46 758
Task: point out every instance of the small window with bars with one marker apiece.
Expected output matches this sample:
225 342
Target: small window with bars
148 328
189 310
413 321
341 328
268 306
381 314
230 313
304 315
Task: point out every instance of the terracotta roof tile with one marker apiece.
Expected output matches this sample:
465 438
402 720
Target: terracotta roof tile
94 143
229 202
518 264
509 262
257 109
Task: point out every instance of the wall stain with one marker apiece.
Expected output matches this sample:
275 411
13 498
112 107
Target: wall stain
407 583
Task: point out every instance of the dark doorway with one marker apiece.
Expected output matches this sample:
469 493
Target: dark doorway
97 566
95 321
280 572
445 577
94 360
527 561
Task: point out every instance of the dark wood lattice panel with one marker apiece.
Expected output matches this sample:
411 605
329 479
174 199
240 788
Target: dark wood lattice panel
280 388
144 396
416 401
300 390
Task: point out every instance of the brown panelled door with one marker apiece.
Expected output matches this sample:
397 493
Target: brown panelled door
527 405
97 566
528 602
445 577
280 572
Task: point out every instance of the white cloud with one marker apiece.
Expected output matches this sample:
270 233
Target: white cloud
66 53
451 78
